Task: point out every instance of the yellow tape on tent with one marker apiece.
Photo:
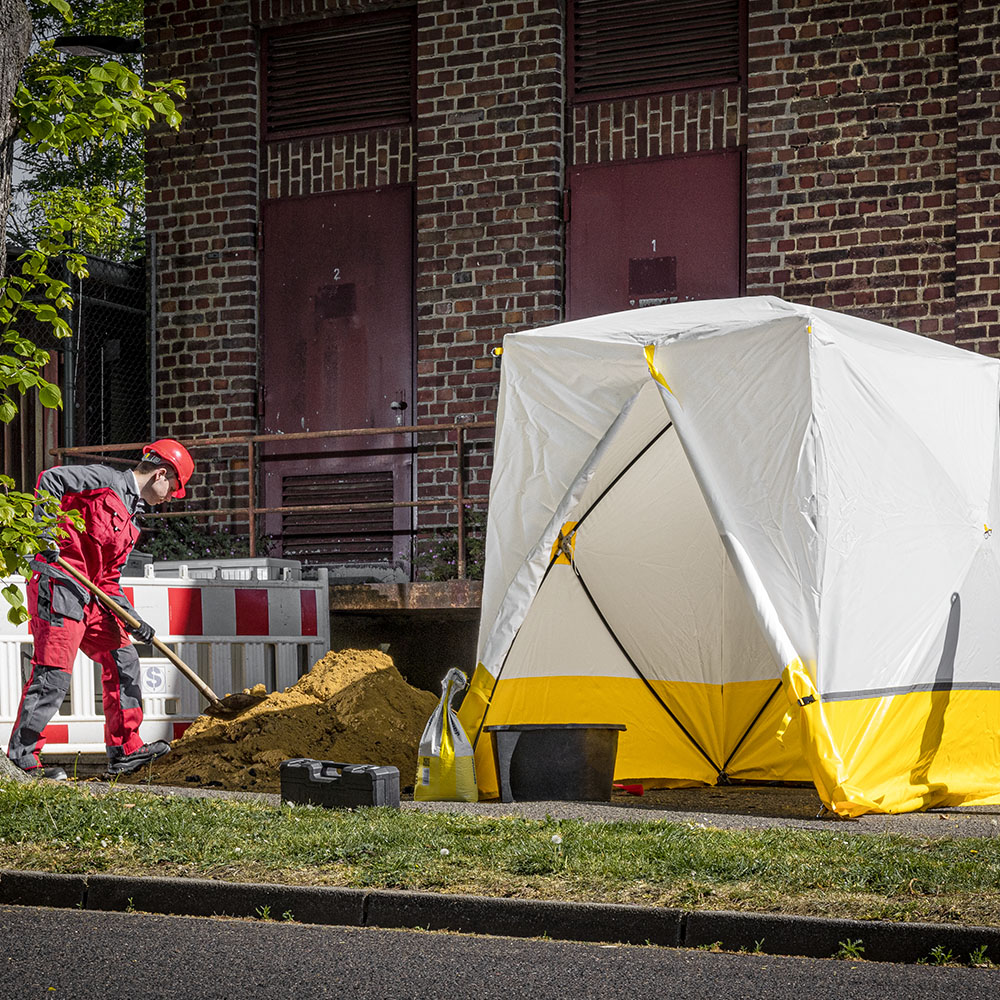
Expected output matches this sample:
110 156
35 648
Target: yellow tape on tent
653 370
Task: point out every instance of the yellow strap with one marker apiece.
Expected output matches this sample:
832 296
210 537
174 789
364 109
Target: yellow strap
653 370
565 544
783 728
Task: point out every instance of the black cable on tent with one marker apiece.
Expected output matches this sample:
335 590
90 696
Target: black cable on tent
555 555
621 475
590 597
722 776
666 708
749 728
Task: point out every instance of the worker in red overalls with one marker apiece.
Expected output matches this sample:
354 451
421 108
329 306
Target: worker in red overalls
65 618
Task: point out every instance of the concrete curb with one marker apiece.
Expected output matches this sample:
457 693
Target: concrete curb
772 934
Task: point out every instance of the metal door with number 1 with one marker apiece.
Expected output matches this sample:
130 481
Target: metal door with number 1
654 231
337 339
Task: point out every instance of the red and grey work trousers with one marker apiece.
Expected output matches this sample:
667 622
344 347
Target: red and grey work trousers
57 637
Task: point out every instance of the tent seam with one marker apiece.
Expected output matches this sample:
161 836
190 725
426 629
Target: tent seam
680 725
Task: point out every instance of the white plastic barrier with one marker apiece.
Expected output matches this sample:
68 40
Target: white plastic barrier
237 626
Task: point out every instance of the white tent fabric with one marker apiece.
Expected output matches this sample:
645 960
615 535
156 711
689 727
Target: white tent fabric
747 489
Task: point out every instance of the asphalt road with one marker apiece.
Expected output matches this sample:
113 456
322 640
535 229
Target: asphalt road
74 954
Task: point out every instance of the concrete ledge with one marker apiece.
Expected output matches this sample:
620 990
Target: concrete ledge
205 898
525 918
65 892
446 594
819 937
766 933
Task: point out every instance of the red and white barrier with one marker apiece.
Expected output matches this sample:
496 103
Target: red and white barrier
236 626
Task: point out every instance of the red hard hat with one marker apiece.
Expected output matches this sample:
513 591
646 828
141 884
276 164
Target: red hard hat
173 452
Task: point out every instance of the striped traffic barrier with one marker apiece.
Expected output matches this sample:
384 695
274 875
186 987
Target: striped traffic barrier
256 622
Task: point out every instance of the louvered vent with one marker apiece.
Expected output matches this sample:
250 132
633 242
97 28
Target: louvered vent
341 537
354 72
640 46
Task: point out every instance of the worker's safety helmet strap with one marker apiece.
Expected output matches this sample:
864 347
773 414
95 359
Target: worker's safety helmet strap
174 453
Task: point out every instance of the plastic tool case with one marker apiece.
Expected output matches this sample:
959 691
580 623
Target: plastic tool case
328 783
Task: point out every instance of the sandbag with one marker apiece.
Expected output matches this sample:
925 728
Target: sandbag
446 770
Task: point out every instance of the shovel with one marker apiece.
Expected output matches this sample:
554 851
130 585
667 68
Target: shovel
226 707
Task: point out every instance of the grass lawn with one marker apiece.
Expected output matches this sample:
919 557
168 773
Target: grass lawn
48 827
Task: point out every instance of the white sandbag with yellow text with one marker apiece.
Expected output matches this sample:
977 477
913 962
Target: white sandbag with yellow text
446 769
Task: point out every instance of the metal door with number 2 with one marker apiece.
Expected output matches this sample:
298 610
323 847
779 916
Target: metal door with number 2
338 354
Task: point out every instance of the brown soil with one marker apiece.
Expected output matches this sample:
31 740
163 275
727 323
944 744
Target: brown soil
353 707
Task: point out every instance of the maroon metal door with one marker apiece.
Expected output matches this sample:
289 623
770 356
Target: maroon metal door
654 231
338 354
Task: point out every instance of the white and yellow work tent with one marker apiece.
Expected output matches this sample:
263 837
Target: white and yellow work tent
760 536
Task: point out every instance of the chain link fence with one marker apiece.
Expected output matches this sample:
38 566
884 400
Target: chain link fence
103 370
107 360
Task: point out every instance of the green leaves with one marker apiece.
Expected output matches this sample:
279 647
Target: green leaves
40 130
18 613
50 396
61 6
84 123
30 291
81 125
26 526
77 103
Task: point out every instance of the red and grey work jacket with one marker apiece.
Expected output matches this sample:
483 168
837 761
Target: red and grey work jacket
107 500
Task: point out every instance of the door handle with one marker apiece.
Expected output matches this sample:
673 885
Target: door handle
398 405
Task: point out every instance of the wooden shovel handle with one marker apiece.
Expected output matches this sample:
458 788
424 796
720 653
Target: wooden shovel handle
133 622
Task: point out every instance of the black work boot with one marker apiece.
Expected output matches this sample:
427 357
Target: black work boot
124 763
51 771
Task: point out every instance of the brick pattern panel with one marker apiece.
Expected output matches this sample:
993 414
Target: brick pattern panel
851 157
657 126
345 162
489 233
201 211
270 12
977 280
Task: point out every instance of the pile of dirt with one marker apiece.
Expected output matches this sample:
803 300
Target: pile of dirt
353 707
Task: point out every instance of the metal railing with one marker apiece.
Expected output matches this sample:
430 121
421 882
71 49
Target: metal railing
252 442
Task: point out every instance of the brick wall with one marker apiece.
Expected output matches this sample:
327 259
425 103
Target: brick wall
870 133
851 158
678 124
486 159
202 213
489 234
272 12
977 265
345 162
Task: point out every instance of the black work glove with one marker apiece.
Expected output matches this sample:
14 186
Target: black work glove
49 555
143 631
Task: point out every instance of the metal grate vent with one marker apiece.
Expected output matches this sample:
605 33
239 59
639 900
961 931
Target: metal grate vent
637 46
349 73
341 537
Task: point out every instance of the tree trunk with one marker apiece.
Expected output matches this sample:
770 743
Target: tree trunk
15 40
10 772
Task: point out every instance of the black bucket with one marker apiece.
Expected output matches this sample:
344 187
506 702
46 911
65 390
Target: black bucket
569 762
